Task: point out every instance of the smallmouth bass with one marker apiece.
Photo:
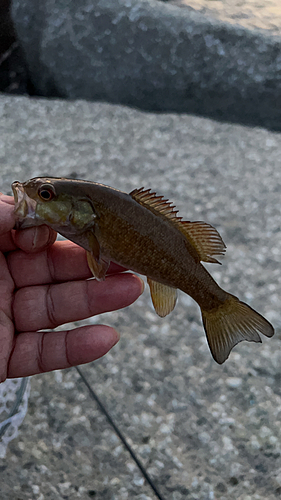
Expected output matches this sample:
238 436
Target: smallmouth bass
142 232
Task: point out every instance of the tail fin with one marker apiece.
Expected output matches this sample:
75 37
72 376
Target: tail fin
229 324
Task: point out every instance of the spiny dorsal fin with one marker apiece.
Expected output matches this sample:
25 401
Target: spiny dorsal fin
203 237
155 204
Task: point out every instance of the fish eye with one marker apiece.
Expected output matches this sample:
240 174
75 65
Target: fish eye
46 193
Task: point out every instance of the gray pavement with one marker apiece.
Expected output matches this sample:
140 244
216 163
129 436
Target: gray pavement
204 431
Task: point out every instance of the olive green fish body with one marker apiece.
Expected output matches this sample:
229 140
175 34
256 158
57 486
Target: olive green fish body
133 236
142 231
154 248
160 255
138 239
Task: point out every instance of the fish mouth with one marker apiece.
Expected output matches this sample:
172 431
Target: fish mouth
25 207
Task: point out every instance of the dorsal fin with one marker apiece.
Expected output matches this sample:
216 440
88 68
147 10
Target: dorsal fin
155 204
203 237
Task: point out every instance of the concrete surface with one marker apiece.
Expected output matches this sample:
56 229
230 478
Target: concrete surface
151 55
205 432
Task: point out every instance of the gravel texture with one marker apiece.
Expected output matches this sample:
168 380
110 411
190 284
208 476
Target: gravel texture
204 431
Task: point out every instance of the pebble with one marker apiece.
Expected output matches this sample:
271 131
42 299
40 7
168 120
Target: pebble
233 382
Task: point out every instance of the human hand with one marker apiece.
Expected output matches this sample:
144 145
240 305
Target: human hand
43 285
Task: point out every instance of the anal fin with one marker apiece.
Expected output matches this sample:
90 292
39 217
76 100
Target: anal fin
163 297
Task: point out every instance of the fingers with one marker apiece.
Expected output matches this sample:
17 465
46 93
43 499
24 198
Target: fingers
63 261
40 307
6 323
45 351
34 239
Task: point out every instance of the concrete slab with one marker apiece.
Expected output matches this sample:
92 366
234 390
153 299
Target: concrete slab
151 55
203 431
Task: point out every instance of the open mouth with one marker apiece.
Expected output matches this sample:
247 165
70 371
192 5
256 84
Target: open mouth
24 206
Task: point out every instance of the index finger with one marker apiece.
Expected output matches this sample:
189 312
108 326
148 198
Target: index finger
63 261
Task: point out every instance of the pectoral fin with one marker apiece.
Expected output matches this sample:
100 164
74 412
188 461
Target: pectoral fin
96 262
98 268
93 245
163 297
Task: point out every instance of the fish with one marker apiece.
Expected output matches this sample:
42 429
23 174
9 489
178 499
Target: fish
142 231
